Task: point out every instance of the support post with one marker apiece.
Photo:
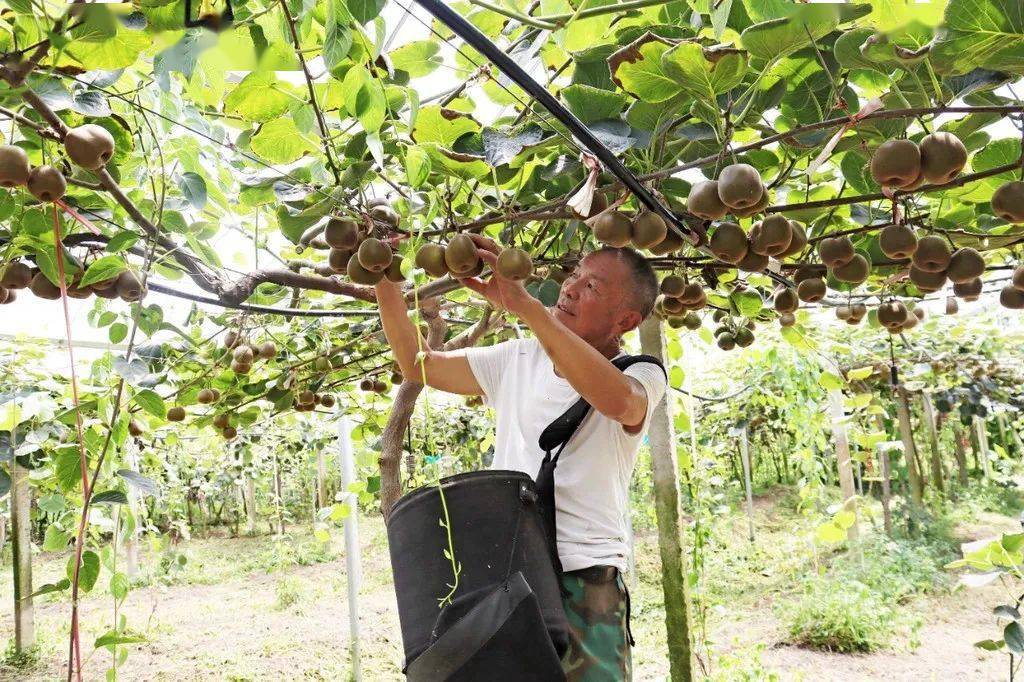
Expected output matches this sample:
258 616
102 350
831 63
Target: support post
321 481
745 457
278 495
845 465
352 563
661 436
960 452
21 539
250 505
981 433
883 463
909 449
131 542
928 411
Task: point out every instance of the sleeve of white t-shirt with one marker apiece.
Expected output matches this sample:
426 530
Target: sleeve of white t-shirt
489 364
652 378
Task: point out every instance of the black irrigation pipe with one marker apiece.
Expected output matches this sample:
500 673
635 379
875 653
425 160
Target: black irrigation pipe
482 44
286 312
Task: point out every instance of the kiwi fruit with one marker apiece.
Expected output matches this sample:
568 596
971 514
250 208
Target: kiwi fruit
1018 277
909 323
205 396
1008 201
965 264
969 290
648 230
858 310
892 315
374 255
744 337
322 364
739 186
176 414
676 322
672 306
220 421
337 259
943 156
673 285
691 321
360 275
897 242
129 287
597 204
726 341
896 163
77 291
267 350
232 339
475 271
854 272
380 387
798 243
396 377
836 251
786 300
926 281
327 400
16 275
719 315
698 303
14 166
811 290
134 428
387 215
703 201
844 312
917 183
243 354
673 241
729 243
46 183
808 271
307 397
920 313
756 208
431 258
932 254
952 307
1011 297
89 146
394 271
461 254
342 233
787 319
753 262
514 264
366 385
229 433
772 237
44 288
613 228
692 293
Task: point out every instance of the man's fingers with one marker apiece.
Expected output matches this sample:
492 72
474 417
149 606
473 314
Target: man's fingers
485 243
476 285
488 257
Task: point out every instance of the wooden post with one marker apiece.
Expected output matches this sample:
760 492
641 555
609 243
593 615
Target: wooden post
846 483
278 497
960 452
928 411
21 539
321 481
131 542
661 436
981 434
1001 421
745 457
883 463
909 449
353 566
250 505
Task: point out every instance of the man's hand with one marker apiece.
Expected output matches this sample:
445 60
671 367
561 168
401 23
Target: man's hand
503 294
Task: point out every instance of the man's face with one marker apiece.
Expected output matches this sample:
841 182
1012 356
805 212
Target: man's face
594 300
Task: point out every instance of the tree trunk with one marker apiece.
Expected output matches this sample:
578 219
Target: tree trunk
321 481
909 448
131 542
883 464
960 452
745 458
928 414
982 440
250 505
21 528
278 496
843 461
670 532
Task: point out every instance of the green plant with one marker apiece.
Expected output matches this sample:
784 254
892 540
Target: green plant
845 617
289 590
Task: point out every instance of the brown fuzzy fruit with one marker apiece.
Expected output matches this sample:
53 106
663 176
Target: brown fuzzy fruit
965 264
1008 201
969 290
243 354
798 243
787 320
380 387
729 243
673 285
44 288
77 291
307 397
205 396
14 166
1011 297
952 307
844 312
342 233
703 201
786 300
897 242
943 156
374 255
858 310
739 186
461 255
933 254
514 264
811 290
89 146
673 241
648 229
129 287
756 208
808 271
135 428
327 400
430 257
360 275
229 432
896 163
176 414
908 324
366 385
753 262
16 275
267 350
337 259
240 367
854 272
773 236
836 251
892 315
692 294
47 183
394 271
220 421
613 228
672 306
387 215
926 281
1018 277
920 313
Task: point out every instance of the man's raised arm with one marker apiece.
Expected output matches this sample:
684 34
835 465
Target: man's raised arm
445 371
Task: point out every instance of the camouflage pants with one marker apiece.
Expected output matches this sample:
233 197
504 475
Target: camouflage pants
597 609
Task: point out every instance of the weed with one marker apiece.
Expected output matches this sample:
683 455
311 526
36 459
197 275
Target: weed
290 590
840 616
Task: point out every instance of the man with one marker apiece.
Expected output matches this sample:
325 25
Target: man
531 382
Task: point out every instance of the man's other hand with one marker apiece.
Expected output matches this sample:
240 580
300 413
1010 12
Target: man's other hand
503 294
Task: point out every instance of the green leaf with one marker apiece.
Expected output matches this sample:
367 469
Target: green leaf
113 638
193 187
830 382
981 33
591 104
990 644
776 38
122 241
703 74
365 10
260 97
110 497
829 533
442 126
338 39
1013 635
119 586
637 69
859 373
417 166
151 403
748 303
279 141
55 540
88 572
117 332
102 269
417 58
1007 612
844 519
59 586
364 98
1012 542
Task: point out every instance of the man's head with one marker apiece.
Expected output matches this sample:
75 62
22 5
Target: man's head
609 293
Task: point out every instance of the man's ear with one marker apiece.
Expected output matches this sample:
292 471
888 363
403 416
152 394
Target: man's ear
629 320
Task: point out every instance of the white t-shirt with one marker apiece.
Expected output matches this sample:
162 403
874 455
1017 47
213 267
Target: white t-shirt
593 472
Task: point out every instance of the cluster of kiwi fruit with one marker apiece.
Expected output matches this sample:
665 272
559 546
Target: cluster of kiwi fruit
365 259
1012 295
896 317
458 258
933 262
738 190
45 183
371 385
775 237
851 313
16 275
308 400
244 354
1008 201
645 230
904 164
732 332
678 302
